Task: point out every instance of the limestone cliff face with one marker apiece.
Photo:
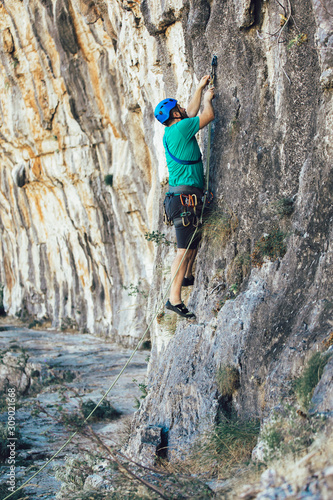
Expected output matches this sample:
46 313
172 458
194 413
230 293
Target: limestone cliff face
272 143
79 81
76 94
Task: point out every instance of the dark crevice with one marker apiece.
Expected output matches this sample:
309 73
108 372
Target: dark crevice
257 11
225 409
162 448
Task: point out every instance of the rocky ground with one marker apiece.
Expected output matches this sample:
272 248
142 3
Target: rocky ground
47 366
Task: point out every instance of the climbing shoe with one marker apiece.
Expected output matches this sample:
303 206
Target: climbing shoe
188 281
180 309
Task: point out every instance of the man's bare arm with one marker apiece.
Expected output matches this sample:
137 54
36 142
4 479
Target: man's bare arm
207 114
194 104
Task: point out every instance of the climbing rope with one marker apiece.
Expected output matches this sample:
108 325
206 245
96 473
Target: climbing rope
160 305
211 84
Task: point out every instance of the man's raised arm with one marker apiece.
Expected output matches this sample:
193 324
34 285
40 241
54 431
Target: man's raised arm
194 104
207 114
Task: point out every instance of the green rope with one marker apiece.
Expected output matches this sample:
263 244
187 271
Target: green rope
211 84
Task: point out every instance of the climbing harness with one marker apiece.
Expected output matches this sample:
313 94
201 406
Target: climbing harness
205 197
191 201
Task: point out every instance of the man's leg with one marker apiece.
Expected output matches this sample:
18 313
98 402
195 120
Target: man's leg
176 287
188 272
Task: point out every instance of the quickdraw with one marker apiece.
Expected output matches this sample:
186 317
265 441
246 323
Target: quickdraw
208 195
166 219
190 201
213 71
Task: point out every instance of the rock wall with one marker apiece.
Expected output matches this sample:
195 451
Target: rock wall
79 81
272 143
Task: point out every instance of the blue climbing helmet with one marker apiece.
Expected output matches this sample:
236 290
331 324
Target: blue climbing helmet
162 110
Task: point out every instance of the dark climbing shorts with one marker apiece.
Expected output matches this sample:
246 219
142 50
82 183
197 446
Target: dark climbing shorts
173 209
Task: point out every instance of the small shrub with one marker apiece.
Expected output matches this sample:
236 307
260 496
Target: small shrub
67 376
298 40
227 379
305 384
76 420
284 207
74 472
219 225
134 290
271 246
289 432
158 238
229 445
143 389
5 492
68 324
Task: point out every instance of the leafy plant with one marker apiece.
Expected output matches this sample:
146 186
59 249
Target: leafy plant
271 245
134 290
143 389
298 40
15 61
158 238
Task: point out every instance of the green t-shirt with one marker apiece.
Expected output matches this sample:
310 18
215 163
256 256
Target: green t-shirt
182 144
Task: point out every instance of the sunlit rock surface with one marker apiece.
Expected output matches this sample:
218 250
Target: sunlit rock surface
76 102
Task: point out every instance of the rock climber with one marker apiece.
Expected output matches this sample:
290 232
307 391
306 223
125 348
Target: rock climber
183 201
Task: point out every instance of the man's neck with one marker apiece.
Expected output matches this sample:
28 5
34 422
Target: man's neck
175 120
